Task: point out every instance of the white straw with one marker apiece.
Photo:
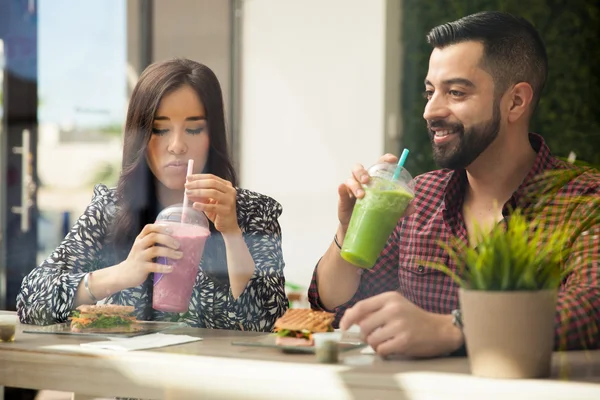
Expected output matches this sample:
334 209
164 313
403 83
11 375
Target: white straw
190 171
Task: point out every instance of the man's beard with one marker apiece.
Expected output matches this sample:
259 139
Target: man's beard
467 146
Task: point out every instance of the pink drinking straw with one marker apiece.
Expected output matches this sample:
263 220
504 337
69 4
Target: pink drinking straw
190 171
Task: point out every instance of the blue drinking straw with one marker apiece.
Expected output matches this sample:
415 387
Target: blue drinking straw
400 164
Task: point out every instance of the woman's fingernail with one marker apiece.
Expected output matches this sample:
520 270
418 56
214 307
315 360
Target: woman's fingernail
359 192
364 178
168 268
176 245
168 230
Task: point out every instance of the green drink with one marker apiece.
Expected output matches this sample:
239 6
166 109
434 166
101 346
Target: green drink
376 215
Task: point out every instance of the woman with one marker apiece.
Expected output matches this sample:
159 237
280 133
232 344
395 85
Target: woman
175 114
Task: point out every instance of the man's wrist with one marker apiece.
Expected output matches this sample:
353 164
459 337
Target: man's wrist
336 241
452 335
340 234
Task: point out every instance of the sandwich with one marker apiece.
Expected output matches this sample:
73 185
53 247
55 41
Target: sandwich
296 326
103 318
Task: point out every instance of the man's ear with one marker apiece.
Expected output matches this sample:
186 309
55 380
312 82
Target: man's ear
519 102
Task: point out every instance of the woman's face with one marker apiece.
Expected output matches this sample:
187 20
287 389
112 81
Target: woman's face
179 133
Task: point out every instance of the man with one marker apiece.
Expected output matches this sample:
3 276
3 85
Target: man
486 74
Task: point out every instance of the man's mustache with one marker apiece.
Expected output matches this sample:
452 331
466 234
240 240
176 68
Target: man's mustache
441 124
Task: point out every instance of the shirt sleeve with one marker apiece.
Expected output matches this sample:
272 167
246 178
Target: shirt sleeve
383 277
264 298
48 291
578 309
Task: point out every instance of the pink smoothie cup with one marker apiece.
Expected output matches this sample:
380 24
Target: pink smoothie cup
172 292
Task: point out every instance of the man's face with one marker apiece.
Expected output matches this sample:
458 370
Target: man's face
462 113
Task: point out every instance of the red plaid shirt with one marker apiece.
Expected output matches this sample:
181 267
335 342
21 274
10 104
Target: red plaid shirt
438 217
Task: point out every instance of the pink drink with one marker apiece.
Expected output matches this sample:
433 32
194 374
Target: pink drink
173 291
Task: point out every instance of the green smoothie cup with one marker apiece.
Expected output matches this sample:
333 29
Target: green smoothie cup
376 215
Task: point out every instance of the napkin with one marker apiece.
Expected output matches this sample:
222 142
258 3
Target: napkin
367 350
150 341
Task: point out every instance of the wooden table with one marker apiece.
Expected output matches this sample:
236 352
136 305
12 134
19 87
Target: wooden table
213 368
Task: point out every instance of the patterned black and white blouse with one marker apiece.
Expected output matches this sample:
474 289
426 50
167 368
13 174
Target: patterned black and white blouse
48 292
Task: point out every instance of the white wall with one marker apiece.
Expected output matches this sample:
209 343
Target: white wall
312 105
195 29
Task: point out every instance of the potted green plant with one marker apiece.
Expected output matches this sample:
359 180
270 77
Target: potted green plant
509 282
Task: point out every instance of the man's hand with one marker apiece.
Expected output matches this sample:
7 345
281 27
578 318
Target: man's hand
352 189
390 324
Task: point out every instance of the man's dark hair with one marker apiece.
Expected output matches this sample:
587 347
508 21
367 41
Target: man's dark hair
513 49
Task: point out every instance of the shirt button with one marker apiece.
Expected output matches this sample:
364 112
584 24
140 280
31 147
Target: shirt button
421 268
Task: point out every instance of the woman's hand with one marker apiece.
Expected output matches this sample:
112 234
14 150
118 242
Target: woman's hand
154 241
217 198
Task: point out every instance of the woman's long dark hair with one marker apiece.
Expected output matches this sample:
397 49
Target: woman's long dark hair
136 189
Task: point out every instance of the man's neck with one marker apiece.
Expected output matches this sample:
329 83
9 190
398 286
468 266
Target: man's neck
500 170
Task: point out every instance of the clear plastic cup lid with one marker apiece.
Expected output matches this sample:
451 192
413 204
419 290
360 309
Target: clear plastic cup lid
187 215
386 171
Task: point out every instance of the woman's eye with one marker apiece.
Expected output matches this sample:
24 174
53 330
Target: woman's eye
157 131
195 131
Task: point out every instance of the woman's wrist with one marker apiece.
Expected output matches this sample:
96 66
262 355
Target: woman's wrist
86 285
105 282
240 264
234 234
